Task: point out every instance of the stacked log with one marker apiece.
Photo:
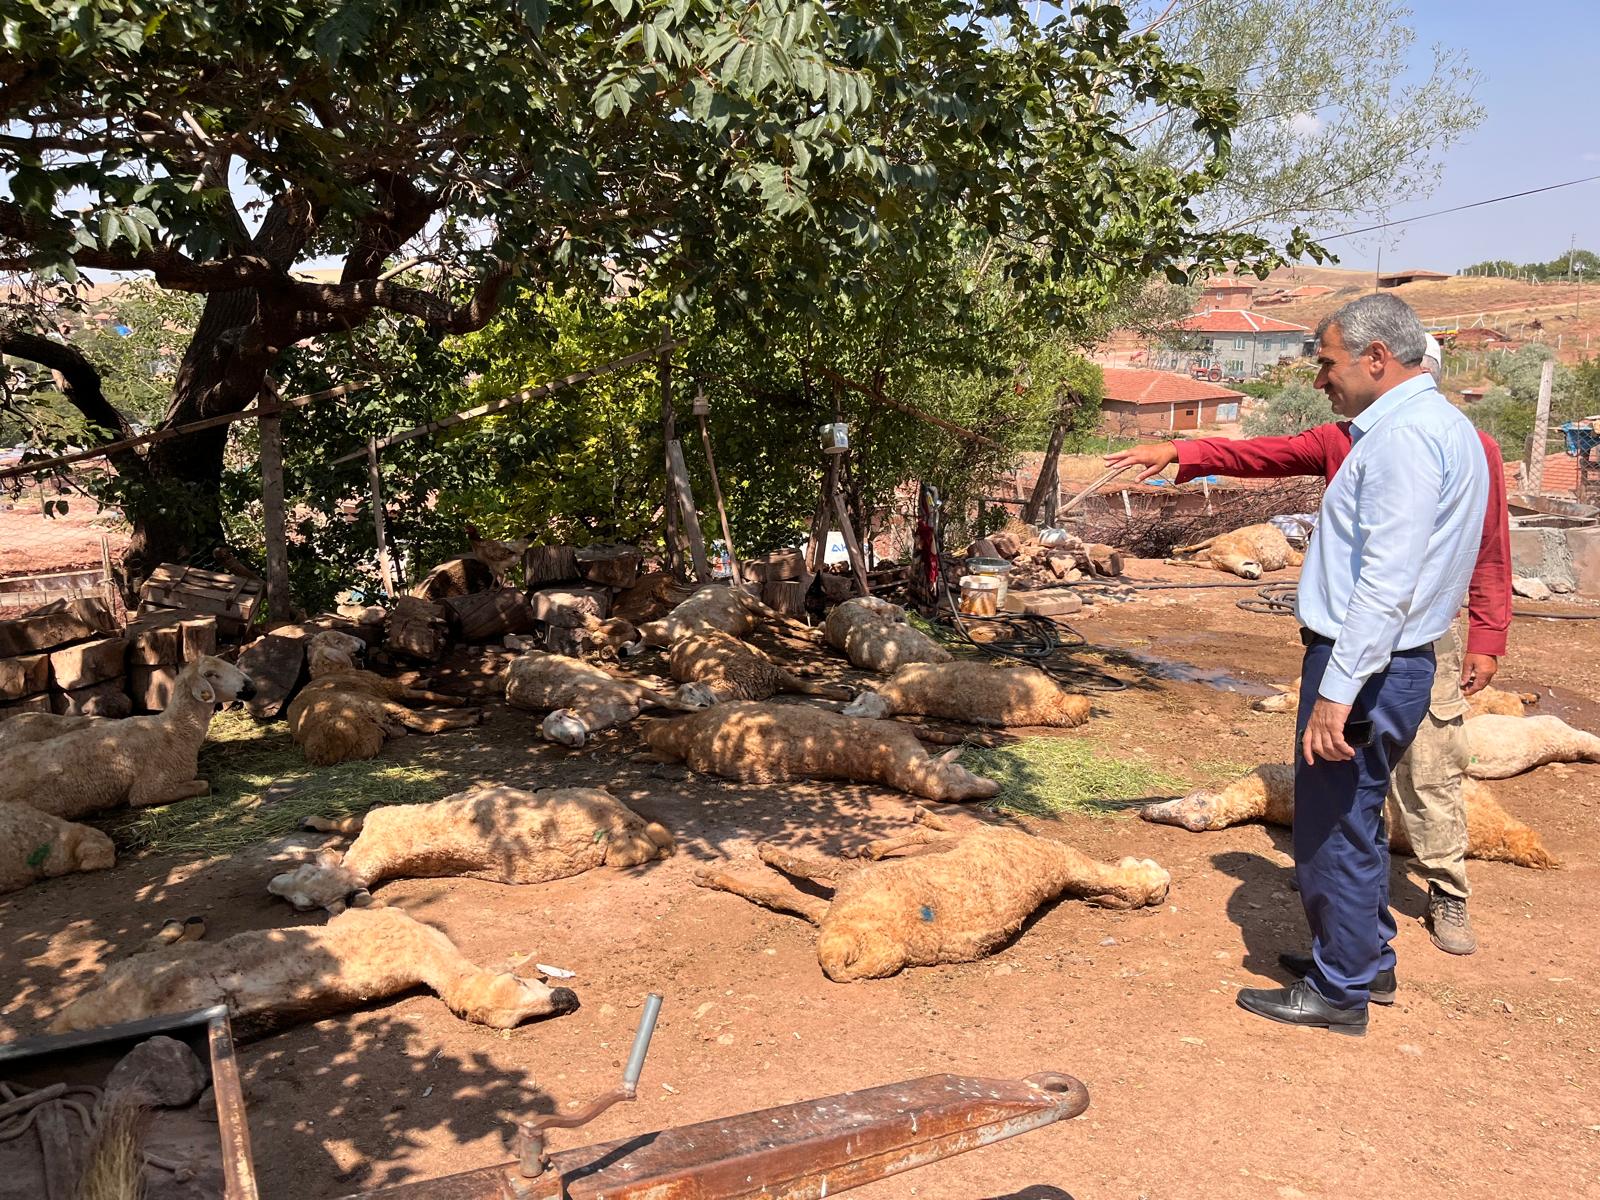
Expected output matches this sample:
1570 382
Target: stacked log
61 661
417 629
159 644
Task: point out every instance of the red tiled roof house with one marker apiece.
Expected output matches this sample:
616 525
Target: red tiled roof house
1154 402
1242 343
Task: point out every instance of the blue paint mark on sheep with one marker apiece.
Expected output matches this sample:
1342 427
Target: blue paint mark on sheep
927 912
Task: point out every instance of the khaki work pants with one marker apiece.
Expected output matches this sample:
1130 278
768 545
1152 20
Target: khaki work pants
1425 787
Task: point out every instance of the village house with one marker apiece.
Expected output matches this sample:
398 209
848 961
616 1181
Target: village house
1139 402
1235 343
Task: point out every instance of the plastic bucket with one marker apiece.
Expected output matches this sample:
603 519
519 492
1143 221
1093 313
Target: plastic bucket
981 595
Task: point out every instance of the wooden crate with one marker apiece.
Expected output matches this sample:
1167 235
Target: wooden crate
233 597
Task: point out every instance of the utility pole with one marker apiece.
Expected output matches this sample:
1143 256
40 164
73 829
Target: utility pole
1541 430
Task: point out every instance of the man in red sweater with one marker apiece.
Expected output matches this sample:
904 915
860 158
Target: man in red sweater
1426 785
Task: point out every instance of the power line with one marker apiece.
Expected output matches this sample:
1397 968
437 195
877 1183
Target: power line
1459 208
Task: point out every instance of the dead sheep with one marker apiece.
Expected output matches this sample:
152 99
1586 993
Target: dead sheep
135 760
345 714
769 743
1489 700
1505 746
1267 794
959 902
715 607
583 698
497 833
716 667
269 978
977 693
874 635
1245 552
25 728
34 846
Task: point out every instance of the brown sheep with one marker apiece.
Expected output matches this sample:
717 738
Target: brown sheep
767 743
136 760
874 635
977 693
1267 794
584 698
495 833
1490 700
958 903
715 667
1245 552
347 715
35 846
714 607
1505 746
274 977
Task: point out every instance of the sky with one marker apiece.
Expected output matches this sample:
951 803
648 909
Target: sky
1542 96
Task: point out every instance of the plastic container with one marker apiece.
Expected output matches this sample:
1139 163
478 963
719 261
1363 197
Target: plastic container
992 568
980 595
835 437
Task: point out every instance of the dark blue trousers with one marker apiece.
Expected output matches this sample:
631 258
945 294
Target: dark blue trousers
1341 848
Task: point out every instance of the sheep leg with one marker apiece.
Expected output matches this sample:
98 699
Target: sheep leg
345 825
884 847
937 737
433 722
143 798
771 891
800 866
422 696
1129 883
790 682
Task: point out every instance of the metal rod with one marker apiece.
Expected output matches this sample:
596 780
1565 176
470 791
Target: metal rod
641 1041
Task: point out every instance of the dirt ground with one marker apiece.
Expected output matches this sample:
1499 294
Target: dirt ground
1483 1081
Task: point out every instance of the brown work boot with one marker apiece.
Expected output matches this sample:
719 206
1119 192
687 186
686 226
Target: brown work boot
1449 924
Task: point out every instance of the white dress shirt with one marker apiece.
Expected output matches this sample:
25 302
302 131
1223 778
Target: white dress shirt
1397 534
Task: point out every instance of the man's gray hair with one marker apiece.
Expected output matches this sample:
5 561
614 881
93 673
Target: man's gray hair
1379 318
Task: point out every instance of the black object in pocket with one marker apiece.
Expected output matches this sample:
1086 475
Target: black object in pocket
1358 734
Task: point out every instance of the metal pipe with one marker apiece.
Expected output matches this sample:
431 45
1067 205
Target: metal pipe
641 1042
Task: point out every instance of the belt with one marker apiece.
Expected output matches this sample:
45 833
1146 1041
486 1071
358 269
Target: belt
1310 637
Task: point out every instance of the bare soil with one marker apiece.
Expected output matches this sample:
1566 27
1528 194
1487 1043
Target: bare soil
1483 1081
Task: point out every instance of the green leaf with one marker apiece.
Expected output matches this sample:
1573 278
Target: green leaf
535 15
37 858
623 7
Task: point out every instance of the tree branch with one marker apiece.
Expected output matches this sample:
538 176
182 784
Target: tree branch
80 380
355 300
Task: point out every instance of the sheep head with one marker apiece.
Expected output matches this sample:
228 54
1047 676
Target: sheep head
331 651
564 726
871 945
505 1001
211 681
697 695
1239 564
868 704
950 781
1197 812
324 883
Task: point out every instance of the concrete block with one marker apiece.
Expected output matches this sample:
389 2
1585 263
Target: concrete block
1543 554
88 663
1048 602
1584 547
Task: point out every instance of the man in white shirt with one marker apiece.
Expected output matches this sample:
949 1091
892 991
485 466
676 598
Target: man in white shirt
1385 574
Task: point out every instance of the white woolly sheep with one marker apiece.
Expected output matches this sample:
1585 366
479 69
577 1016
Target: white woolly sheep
135 760
25 728
977 693
874 635
496 833
958 903
714 607
766 743
1244 552
1505 746
273 977
1489 700
584 698
716 667
1267 794
35 846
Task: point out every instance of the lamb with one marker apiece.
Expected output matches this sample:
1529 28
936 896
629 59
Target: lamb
35 846
766 743
874 635
345 714
1245 552
495 833
714 607
137 760
958 903
1505 746
273 977
25 728
715 667
1267 794
1486 701
584 698
977 693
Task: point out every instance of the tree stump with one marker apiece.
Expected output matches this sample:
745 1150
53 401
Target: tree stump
88 663
611 565
570 607
787 596
46 631
550 564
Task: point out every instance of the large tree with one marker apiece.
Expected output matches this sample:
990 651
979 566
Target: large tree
216 146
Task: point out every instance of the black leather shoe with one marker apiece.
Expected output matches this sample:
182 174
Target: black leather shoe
1299 1004
1383 984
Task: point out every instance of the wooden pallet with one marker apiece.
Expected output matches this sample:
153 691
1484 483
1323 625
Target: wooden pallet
172 585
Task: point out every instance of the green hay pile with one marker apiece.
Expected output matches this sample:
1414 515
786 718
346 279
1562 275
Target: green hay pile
1049 776
261 787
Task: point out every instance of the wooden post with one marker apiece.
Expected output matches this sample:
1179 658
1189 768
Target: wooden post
272 507
857 562
1049 472
716 487
1541 429
669 434
678 479
377 519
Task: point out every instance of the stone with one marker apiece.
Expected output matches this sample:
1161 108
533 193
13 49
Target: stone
1529 586
151 687
276 665
88 663
46 631
1047 602
570 607
159 1072
24 675
105 699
